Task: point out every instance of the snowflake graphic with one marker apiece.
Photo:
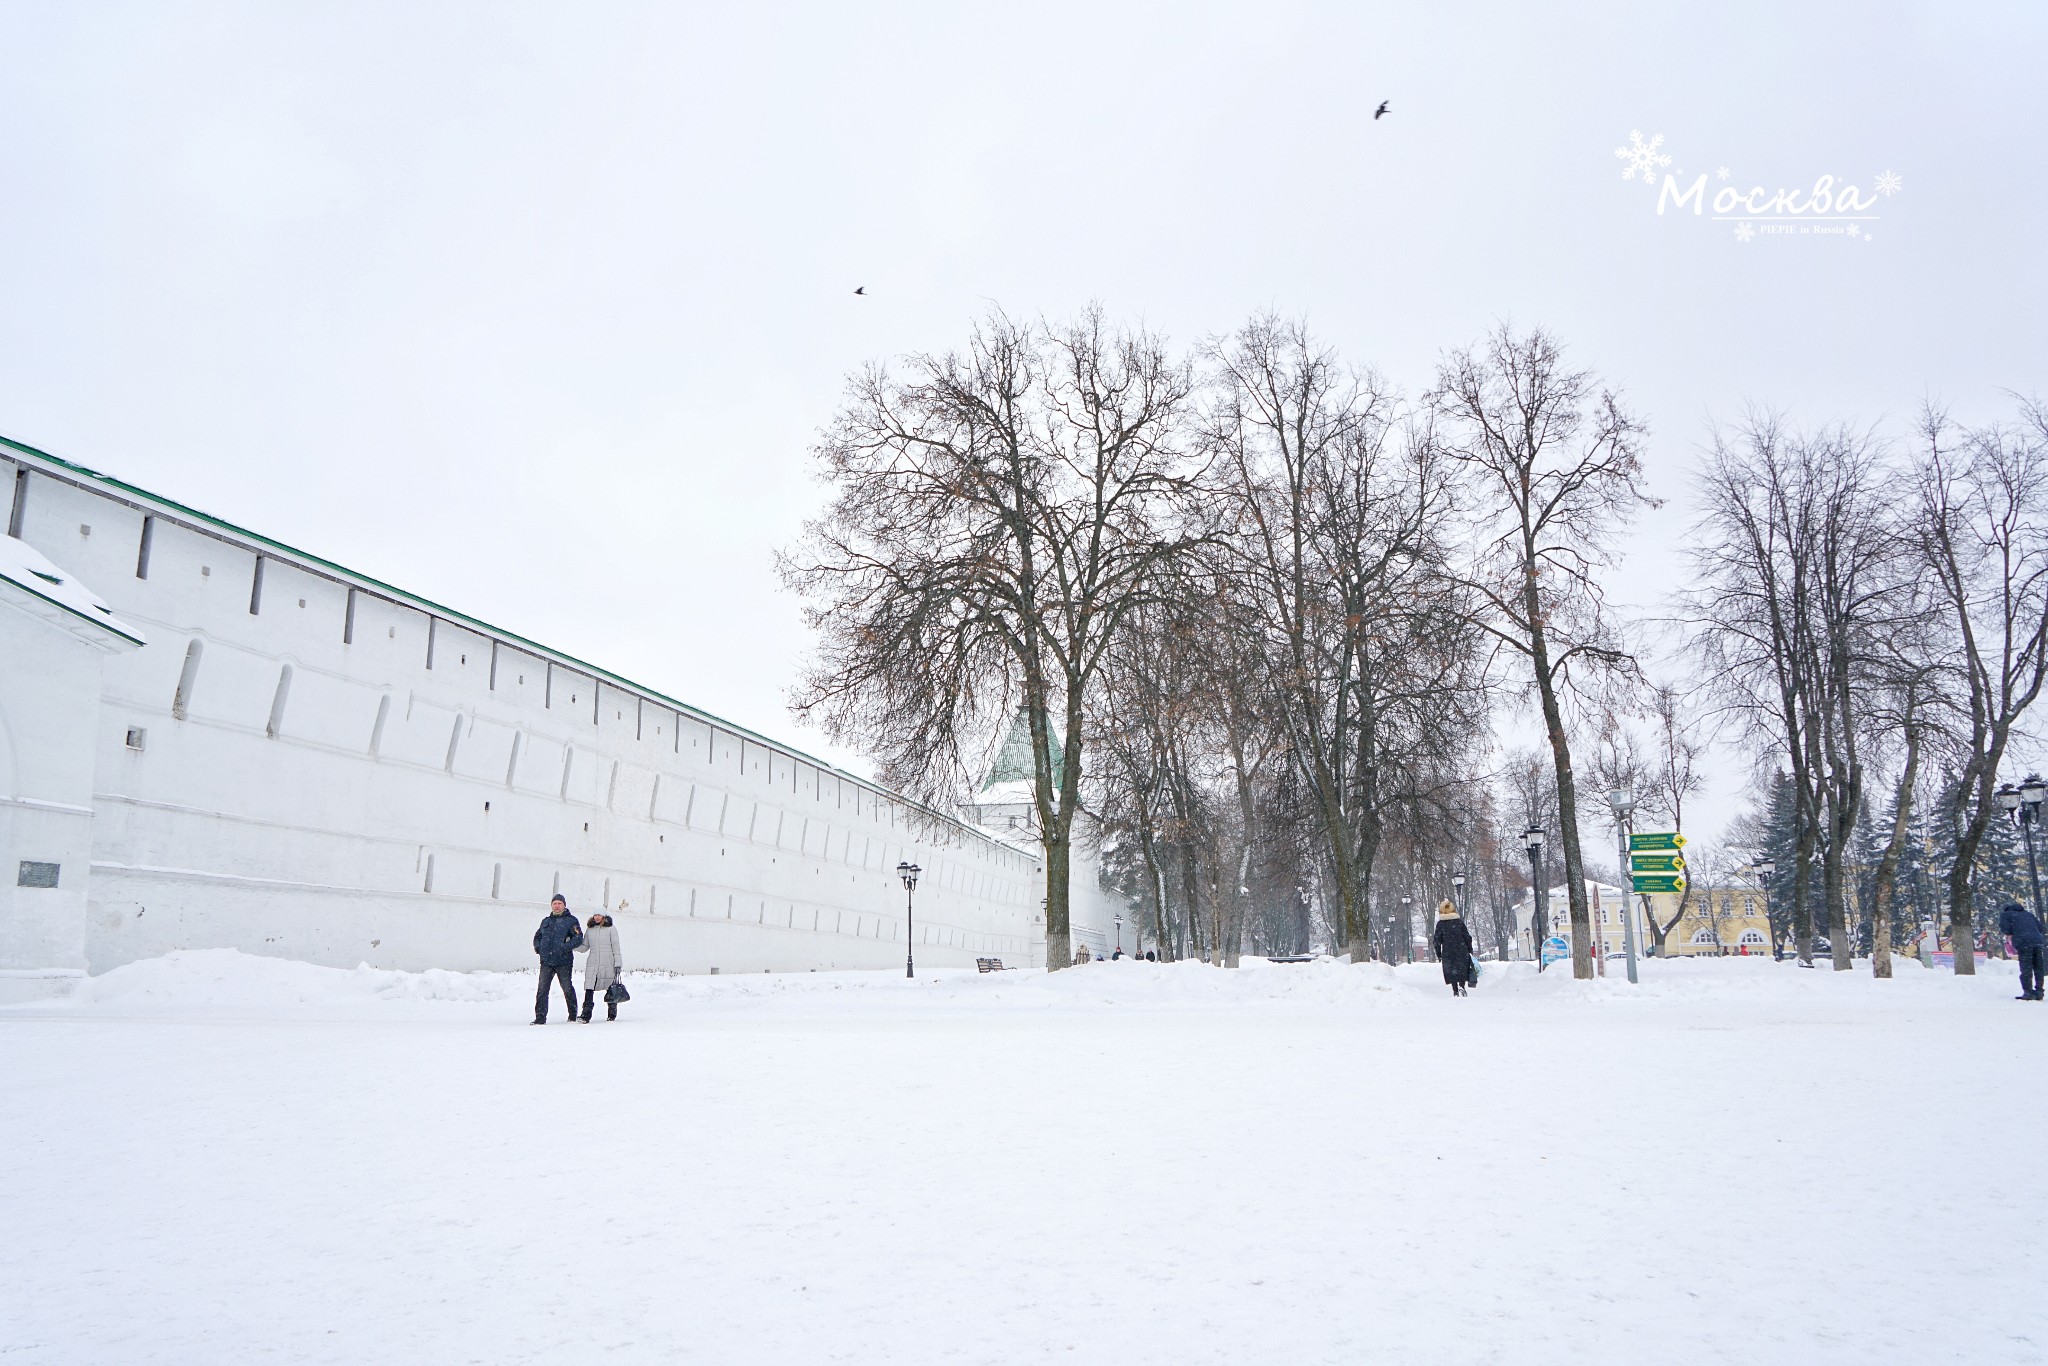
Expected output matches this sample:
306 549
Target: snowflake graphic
1642 156
1855 229
1721 174
1743 232
1890 184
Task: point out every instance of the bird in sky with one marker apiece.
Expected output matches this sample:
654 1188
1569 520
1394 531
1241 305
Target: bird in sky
1380 112
862 290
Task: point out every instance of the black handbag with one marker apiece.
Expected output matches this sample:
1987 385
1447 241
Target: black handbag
616 993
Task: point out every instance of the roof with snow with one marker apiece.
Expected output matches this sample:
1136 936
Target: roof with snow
1019 792
54 594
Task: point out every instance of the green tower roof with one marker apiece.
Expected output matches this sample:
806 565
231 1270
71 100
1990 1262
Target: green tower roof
1013 761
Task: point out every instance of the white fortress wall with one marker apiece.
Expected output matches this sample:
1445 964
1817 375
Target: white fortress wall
326 768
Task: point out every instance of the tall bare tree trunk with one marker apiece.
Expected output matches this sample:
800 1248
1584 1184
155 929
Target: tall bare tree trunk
1894 852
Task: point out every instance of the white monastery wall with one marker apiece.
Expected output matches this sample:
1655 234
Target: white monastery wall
306 763
45 802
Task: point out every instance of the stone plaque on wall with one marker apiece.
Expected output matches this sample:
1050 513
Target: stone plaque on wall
35 874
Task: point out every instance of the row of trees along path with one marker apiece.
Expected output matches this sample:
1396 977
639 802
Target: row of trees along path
1263 612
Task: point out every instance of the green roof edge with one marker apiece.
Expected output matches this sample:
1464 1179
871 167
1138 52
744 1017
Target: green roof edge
462 618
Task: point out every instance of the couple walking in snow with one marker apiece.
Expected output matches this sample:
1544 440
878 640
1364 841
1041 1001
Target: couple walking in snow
558 940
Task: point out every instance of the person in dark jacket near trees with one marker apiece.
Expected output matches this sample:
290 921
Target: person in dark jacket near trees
2019 924
1452 944
556 941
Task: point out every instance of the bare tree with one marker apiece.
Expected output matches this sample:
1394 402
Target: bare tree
1981 529
1145 690
1552 464
1676 754
1333 551
1801 583
996 515
1662 769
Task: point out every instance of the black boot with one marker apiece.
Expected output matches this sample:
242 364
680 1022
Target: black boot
611 1010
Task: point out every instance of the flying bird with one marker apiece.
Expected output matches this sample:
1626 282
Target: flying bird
862 290
1379 112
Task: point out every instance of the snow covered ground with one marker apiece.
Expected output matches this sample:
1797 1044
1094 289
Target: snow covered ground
219 1158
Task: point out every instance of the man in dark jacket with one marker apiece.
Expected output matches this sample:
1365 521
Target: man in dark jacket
556 941
2019 924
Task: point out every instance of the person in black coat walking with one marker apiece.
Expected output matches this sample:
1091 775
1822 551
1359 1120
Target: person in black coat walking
1452 944
2020 925
556 941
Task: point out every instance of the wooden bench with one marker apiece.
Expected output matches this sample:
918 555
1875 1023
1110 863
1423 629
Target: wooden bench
988 965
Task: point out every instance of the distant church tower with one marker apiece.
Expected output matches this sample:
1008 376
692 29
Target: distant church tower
1007 807
1007 800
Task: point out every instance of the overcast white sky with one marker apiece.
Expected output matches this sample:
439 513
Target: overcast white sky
535 309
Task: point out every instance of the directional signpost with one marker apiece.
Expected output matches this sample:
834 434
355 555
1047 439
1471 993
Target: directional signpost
1657 865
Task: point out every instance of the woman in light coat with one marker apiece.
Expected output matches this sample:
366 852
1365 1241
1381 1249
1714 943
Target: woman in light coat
604 966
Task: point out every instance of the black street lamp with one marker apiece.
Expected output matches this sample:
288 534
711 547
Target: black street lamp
1539 919
908 872
1119 936
2023 804
1407 929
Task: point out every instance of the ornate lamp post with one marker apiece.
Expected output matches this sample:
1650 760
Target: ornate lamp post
1407 929
1119 922
908 872
1539 916
2023 804
1623 802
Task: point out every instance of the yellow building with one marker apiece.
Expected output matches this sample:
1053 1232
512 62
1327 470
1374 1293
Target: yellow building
1605 906
1718 922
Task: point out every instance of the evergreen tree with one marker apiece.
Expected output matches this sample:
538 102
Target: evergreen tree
1998 873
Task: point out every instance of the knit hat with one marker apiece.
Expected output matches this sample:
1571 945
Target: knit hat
559 897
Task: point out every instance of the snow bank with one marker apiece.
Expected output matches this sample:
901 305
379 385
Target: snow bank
196 980
216 980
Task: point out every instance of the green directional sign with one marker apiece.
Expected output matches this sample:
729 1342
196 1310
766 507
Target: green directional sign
1664 839
1660 882
1659 863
